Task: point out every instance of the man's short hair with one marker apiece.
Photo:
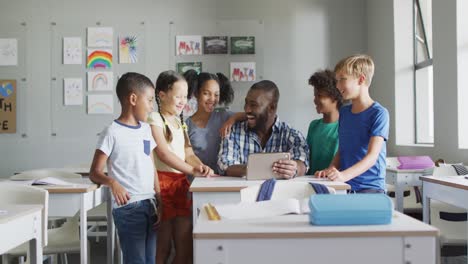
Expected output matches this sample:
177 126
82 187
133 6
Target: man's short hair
131 82
267 86
356 65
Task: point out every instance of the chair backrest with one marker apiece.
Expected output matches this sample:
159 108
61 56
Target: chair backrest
283 190
444 170
11 193
40 174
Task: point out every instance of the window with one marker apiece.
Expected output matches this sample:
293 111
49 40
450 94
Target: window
423 80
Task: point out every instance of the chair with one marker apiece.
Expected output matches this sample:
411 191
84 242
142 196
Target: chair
451 232
410 201
64 239
21 194
283 190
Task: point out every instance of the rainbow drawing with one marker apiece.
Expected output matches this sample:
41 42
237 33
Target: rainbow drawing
99 59
100 104
100 81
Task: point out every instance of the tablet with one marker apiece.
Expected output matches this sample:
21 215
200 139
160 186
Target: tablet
260 165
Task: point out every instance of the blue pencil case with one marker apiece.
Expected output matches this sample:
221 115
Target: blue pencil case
352 209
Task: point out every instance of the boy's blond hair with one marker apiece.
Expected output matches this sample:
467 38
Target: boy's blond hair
356 65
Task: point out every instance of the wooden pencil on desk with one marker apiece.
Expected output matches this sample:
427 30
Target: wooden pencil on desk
212 212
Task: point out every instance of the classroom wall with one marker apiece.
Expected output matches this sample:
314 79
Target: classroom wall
295 38
384 18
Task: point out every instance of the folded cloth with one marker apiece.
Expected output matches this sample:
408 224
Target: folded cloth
415 162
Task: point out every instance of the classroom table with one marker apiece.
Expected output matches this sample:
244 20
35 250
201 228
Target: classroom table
225 189
20 224
66 201
291 239
448 189
402 179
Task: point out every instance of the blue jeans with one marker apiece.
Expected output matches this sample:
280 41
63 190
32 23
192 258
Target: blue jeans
134 223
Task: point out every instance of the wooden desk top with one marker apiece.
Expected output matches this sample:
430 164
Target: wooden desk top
235 184
297 226
14 211
459 182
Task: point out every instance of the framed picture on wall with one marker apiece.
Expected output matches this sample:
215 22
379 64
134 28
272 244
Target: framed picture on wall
242 72
243 45
182 67
215 45
188 45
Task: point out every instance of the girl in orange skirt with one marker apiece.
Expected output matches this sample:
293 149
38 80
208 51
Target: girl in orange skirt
175 160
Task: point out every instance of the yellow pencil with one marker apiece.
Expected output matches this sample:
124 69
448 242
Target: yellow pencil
212 212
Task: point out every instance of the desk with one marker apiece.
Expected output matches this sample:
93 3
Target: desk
448 189
224 189
20 224
291 239
402 179
66 201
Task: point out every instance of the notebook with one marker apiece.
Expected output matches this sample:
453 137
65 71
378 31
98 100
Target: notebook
259 165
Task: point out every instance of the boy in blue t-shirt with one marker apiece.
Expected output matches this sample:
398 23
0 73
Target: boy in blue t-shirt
126 146
363 130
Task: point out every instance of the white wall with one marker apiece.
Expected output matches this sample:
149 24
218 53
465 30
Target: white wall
299 37
389 52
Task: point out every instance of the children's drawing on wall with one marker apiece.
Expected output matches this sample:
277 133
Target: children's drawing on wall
188 45
191 107
128 49
185 66
243 72
100 81
8 52
7 106
242 45
100 36
99 59
72 52
100 104
215 45
72 91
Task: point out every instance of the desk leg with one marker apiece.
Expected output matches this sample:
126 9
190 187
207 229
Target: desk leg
110 230
83 232
399 196
426 205
35 250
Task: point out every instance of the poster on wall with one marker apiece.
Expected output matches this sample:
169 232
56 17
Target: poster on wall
72 91
215 45
188 45
72 51
8 52
100 104
128 49
7 106
242 72
100 81
242 45
185 66
100 37
99 59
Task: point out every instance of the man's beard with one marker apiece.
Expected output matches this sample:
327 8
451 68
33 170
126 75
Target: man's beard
260 122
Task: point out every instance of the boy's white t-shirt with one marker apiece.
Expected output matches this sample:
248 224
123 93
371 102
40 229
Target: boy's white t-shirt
177 146
129 161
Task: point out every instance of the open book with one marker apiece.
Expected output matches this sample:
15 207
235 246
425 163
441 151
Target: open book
249 210
45 181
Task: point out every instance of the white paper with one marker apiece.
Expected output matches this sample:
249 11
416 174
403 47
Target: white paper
73 91
72 51
100 81
100 36
100 104
8 52
243 72
52 181
188 45
270 208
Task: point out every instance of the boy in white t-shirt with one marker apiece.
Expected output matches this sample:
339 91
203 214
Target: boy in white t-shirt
127 146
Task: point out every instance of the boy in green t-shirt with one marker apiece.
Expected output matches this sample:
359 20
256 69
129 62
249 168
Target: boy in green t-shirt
322 136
